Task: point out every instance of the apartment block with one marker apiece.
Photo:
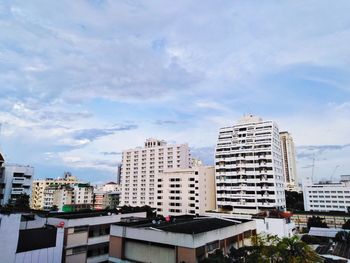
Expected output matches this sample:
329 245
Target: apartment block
104 200
66 196
289 162
14 180
43 190
249 169
327 196
181 239
186 191
141 168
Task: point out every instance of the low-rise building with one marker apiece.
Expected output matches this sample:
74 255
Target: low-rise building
180 239
77 194
107 196
186 191
43 190
15 180
26 238
327 196
273 222
86 235
57 237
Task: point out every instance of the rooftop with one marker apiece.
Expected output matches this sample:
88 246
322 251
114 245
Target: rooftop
184 224
80 214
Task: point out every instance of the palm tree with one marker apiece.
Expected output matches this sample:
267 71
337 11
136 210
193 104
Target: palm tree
293 250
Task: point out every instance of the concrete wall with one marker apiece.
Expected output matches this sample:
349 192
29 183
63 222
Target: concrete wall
274 226
9 232
187 255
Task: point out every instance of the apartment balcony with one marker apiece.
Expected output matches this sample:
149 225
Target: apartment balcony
97 259
18 180
98 240
17 190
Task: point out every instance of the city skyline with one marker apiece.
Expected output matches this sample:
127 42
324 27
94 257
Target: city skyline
78 90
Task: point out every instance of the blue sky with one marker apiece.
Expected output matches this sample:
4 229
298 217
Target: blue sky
82 80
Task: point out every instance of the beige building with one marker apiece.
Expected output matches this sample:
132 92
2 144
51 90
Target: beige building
186 191
141 168
43 190
78 194
289 163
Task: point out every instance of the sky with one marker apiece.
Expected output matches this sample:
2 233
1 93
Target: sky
80 81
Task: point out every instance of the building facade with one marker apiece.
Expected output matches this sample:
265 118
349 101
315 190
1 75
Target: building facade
15 180
327 196
43 190
142 166
186 191
187 240
289 161
77 194
87 235
57 237
24 238
248 163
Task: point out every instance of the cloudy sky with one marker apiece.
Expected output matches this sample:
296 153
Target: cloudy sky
82 80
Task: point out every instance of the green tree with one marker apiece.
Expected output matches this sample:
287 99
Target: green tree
293 250
20 202
216 257
316 221
346 225
271 249
294 201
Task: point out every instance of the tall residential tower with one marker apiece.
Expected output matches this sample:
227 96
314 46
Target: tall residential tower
289 164
141 167
249 170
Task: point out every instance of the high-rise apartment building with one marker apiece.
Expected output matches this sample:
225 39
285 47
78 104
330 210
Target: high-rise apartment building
186 191
249 170
43 190
289 163
14 180
141 167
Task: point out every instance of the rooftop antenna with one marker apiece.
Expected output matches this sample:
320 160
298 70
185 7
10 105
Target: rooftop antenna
313 168
335 169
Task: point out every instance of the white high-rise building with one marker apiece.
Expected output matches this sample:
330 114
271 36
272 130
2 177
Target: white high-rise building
15 180
249 171
186 191
289 163
141 167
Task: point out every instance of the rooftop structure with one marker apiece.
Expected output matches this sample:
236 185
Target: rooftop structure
177 239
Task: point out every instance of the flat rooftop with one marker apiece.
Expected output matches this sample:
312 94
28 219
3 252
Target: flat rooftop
184 224
79 214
